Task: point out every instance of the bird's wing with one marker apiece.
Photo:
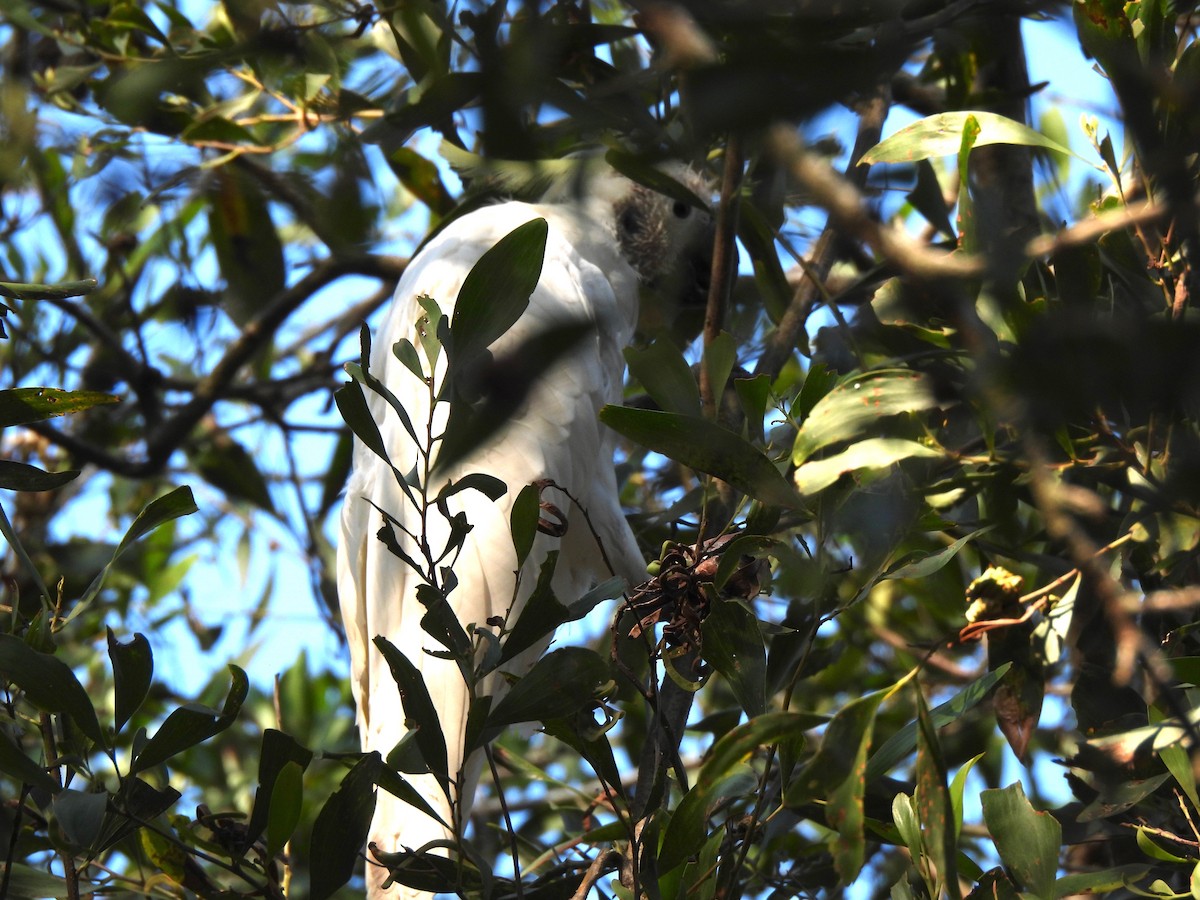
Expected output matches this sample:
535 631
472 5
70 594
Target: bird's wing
556 434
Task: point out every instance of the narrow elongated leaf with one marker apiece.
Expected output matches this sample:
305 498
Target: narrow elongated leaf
15 290
933 805
246 242
17 476
541 616
706 447
666 376
523 521
1027 841
26 881
496 291
49 684
157 512
687 829
20 406
734 646
192 724
941 135
924 566
15 763
488 485
278 751
133 672
1101 882
228 466
419 708
904 741
560 684
837 759
287 800
352 404
341 827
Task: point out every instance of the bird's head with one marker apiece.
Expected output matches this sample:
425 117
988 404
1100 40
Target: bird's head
666 231
662 222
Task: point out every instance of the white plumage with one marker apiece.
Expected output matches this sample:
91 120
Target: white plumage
599 247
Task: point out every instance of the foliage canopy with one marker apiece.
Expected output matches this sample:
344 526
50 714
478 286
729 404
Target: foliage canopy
940 471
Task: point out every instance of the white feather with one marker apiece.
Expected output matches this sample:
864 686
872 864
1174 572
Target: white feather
556 434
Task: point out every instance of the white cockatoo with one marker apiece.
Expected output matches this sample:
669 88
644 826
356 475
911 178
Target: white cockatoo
607 237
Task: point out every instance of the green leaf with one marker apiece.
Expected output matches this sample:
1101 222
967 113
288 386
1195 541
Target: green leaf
857 404
541 615
847 736
941 135
133 673
523 521
352 404
80 815
706 447
228 466
26 881
924 566
246 242
62 290
561 683
1102 882
819 380
904 816
419 709
836 773
287 801
733 645
496 291
407 354
421 178
21 406
192 724
933 804
49 684
666 376
15 763
871 454
958 788
278 751
157 512
488 485
687 829
1027 841
720 355
904 741
340 830
17 476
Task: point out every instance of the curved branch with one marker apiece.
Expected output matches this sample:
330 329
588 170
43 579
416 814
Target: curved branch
217 385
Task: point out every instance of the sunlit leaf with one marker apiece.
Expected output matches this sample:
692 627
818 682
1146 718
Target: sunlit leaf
941 135
1027 841
857 404
21 406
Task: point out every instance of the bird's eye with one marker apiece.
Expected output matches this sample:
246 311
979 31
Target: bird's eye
682 210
